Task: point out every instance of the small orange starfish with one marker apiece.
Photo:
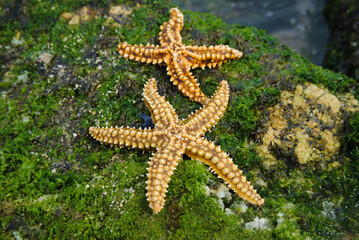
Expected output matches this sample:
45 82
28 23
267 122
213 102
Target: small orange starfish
178 57
173 137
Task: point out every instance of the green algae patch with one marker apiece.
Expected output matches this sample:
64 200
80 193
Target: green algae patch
58 79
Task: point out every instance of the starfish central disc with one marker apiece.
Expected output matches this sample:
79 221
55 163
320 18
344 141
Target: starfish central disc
173 137
178 57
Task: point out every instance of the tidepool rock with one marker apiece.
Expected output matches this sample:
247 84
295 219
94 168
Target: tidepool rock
60 79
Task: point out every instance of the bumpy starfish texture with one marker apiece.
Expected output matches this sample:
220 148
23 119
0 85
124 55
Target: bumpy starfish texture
173 137
178 57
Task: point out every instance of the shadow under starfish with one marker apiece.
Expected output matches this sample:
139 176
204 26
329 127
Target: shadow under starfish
173 137
178 57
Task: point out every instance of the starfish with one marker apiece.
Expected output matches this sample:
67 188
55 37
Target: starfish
178 57
173 137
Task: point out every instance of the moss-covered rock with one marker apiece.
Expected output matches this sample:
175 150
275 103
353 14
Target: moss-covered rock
58 79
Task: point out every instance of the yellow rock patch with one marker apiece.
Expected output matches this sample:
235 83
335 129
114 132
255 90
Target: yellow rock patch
306 125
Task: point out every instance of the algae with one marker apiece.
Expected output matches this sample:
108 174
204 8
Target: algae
60 79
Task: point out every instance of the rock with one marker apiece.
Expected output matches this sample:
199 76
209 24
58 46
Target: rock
45 58
81 15
84 14
120 13
119 10
259 223
306 124
75 19
66 15
110 21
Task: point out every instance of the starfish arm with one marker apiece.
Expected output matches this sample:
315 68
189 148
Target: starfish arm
163 114
140 53
210 56
162 165
125 136
223 165
205 118
170 31
181 77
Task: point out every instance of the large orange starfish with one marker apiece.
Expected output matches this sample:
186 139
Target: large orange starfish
173 137
178 57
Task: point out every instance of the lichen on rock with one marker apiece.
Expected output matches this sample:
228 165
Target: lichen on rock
305 125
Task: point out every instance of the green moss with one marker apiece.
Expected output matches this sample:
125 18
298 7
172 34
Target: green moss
56 181
351 140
